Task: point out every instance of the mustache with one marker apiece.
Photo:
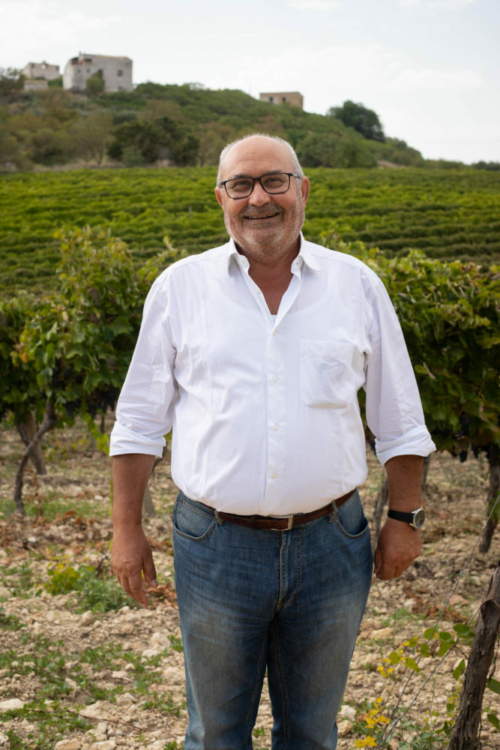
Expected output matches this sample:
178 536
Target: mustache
269 208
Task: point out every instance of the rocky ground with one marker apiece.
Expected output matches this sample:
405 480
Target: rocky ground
82 668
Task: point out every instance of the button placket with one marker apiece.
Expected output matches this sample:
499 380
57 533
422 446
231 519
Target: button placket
276 416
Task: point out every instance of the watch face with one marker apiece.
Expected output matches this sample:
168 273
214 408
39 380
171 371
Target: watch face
419 518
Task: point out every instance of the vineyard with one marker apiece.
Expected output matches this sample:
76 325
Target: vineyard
452 214
83 666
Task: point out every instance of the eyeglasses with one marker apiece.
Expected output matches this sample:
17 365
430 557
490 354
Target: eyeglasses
273 183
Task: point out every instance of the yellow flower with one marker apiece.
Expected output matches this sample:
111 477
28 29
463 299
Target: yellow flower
367 742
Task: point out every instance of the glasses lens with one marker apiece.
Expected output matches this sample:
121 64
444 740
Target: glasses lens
275 183
239 188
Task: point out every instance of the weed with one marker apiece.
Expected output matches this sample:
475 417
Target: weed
52 723
97 592
259 732
176 643
15 742
163 704
425 739
401 615
23 580
102 657
9 622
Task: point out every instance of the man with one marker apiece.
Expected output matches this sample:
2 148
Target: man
253 353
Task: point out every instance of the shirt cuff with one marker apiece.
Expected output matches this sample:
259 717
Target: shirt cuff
124 440
416 442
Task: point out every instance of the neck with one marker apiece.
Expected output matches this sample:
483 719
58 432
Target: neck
269 263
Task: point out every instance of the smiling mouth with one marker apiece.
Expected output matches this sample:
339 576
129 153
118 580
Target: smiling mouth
262 218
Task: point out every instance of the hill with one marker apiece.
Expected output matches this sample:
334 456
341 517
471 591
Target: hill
185 125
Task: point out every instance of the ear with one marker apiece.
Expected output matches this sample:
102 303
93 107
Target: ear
218 195
304 189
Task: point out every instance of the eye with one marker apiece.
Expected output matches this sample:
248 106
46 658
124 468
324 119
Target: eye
239 185
274 180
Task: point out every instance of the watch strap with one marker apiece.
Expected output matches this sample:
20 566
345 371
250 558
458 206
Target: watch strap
415 518
398 515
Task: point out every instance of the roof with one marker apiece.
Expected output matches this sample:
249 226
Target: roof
107 57
282 93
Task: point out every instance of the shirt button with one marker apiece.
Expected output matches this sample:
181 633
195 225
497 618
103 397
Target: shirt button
274 475
274 333
275 379
275 427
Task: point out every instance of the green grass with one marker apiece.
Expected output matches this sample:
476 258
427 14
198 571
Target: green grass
400 616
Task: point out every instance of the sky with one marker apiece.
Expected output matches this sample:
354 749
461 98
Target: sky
429 68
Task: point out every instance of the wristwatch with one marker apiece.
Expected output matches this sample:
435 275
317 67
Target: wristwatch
416 518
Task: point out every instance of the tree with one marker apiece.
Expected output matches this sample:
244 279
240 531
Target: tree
11 82
90 135
48 146
161 138
10 151
362 119
20 395
332 150
95 84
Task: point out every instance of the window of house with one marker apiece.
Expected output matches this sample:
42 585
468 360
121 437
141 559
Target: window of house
283 98
271 98
119 73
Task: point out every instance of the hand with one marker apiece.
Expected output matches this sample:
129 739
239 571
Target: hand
398 545
130 557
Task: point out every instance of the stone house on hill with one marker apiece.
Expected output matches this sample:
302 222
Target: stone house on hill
41 70
35 84
291 97
116 72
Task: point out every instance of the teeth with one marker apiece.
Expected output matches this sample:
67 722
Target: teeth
266 216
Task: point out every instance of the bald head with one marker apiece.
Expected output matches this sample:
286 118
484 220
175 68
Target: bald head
250 144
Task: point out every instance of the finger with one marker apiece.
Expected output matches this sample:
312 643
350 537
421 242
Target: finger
123 580
386 572
377 560
150 571
137 589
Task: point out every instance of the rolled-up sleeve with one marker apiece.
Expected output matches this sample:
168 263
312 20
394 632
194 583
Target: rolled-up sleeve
144 410
393 408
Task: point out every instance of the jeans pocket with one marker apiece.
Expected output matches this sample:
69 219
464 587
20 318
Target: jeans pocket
350 517
326 377
191 521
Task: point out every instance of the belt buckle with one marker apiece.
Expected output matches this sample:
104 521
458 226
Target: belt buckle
289 526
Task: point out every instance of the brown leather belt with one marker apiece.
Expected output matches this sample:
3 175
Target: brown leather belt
281 524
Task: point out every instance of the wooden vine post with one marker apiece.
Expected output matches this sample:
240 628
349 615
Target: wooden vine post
483 647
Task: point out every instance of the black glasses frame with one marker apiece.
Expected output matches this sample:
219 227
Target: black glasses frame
259 180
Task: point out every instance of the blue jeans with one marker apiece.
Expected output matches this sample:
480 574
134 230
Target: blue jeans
291 601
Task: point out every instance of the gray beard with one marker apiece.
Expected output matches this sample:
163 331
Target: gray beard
273 249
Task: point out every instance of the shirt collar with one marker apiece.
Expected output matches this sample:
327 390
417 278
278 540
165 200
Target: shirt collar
305 255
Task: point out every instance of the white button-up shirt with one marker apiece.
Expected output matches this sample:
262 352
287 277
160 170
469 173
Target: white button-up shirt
263 409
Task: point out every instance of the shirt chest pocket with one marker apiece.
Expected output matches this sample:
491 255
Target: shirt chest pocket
326 374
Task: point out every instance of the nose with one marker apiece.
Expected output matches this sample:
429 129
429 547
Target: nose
258 197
